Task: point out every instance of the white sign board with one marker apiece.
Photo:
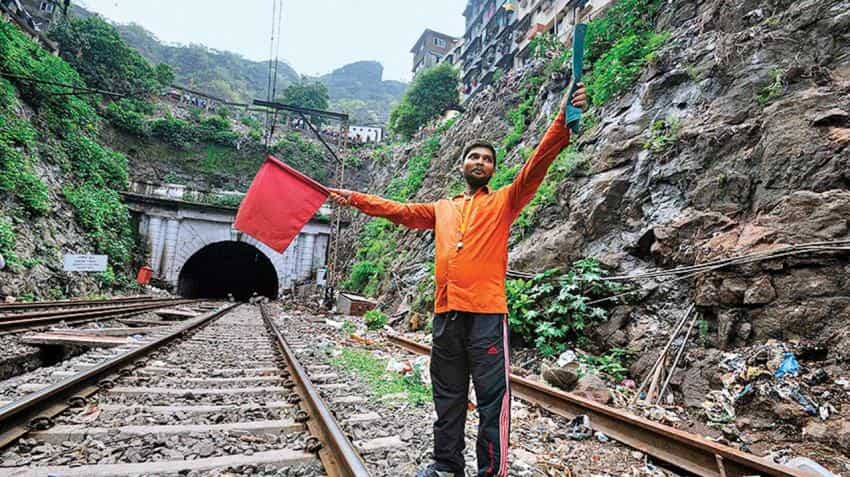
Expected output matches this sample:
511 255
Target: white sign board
84 263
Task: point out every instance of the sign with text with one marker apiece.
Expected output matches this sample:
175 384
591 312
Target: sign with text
84 263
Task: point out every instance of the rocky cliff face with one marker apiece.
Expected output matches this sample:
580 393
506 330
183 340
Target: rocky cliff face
734 140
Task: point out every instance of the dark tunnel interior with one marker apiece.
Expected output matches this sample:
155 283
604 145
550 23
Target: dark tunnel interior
228 267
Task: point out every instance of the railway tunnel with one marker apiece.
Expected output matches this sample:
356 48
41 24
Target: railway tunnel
228 267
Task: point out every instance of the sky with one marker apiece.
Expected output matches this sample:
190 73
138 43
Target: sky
318 35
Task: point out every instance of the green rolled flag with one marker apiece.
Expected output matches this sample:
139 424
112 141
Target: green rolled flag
573 114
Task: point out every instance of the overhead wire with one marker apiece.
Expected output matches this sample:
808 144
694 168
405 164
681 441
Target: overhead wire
681 273
276 64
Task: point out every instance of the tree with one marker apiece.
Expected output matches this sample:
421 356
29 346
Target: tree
164 74
93 47
307 94
432 91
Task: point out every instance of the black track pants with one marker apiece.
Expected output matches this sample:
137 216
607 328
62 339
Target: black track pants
476 344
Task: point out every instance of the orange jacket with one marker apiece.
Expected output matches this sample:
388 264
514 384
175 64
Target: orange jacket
470 266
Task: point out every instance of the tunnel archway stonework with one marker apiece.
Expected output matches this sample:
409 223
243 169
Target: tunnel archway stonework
173 231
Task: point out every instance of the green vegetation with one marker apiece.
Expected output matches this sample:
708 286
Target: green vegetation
307 94
101 212
225 200
7 240
773 89
375 320
563 165
17 172
95 50
348 327
97 172
304 155
184 134
619 44
382 383
129 115
550 310
613 363
433 90
518 117
378 238
662 133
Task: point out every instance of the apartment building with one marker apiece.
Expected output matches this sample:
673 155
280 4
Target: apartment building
488 44
499 33
430 49
555 17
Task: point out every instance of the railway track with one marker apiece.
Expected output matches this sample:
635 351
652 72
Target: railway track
686 451
209 393
69 304
23 319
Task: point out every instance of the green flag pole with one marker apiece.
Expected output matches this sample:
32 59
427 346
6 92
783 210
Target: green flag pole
573 114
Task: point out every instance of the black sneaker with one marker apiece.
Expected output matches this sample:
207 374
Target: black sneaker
431 471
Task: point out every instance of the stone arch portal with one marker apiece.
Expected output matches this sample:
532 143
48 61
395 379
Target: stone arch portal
226 267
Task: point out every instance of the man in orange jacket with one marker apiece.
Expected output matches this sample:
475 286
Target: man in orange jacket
470 324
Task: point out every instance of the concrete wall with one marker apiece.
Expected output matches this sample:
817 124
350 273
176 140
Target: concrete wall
173 231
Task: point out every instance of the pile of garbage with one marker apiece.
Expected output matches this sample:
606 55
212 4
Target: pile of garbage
771 372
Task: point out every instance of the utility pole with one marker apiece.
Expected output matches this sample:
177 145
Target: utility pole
342 144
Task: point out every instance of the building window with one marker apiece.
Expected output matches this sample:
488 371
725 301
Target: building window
440 42
46 7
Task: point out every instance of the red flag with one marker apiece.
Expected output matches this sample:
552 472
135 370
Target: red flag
278 204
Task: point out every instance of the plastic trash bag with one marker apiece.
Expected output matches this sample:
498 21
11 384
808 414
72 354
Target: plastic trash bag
789 366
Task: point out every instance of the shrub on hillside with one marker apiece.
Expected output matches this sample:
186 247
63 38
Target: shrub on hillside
431 92
95 49
307 94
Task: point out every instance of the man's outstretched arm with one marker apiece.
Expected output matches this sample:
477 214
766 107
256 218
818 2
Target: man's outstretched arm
415 216
557 138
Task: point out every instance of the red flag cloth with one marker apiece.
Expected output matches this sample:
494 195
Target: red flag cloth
278 204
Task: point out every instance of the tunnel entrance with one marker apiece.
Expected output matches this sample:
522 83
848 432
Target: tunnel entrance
228 267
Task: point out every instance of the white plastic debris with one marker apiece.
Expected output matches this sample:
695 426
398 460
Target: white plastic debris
566 358
398 366
809 466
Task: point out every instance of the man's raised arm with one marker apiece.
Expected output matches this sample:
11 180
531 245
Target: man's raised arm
415 216
557 138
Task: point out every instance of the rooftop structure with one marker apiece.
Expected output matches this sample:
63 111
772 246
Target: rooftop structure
430 49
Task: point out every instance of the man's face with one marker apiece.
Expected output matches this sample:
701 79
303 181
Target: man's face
478 166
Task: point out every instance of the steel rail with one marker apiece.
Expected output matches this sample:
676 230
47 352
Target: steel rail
77 311
14 325
342 460
687 451
17 417
35 305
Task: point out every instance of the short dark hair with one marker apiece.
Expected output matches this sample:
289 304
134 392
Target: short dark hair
472 145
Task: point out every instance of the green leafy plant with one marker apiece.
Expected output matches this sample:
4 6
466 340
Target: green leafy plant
348 327
95 49
662 133
105 218
552 309
773 89
613 363
375 320
126 115
518 117
7 240
619 44
382 383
